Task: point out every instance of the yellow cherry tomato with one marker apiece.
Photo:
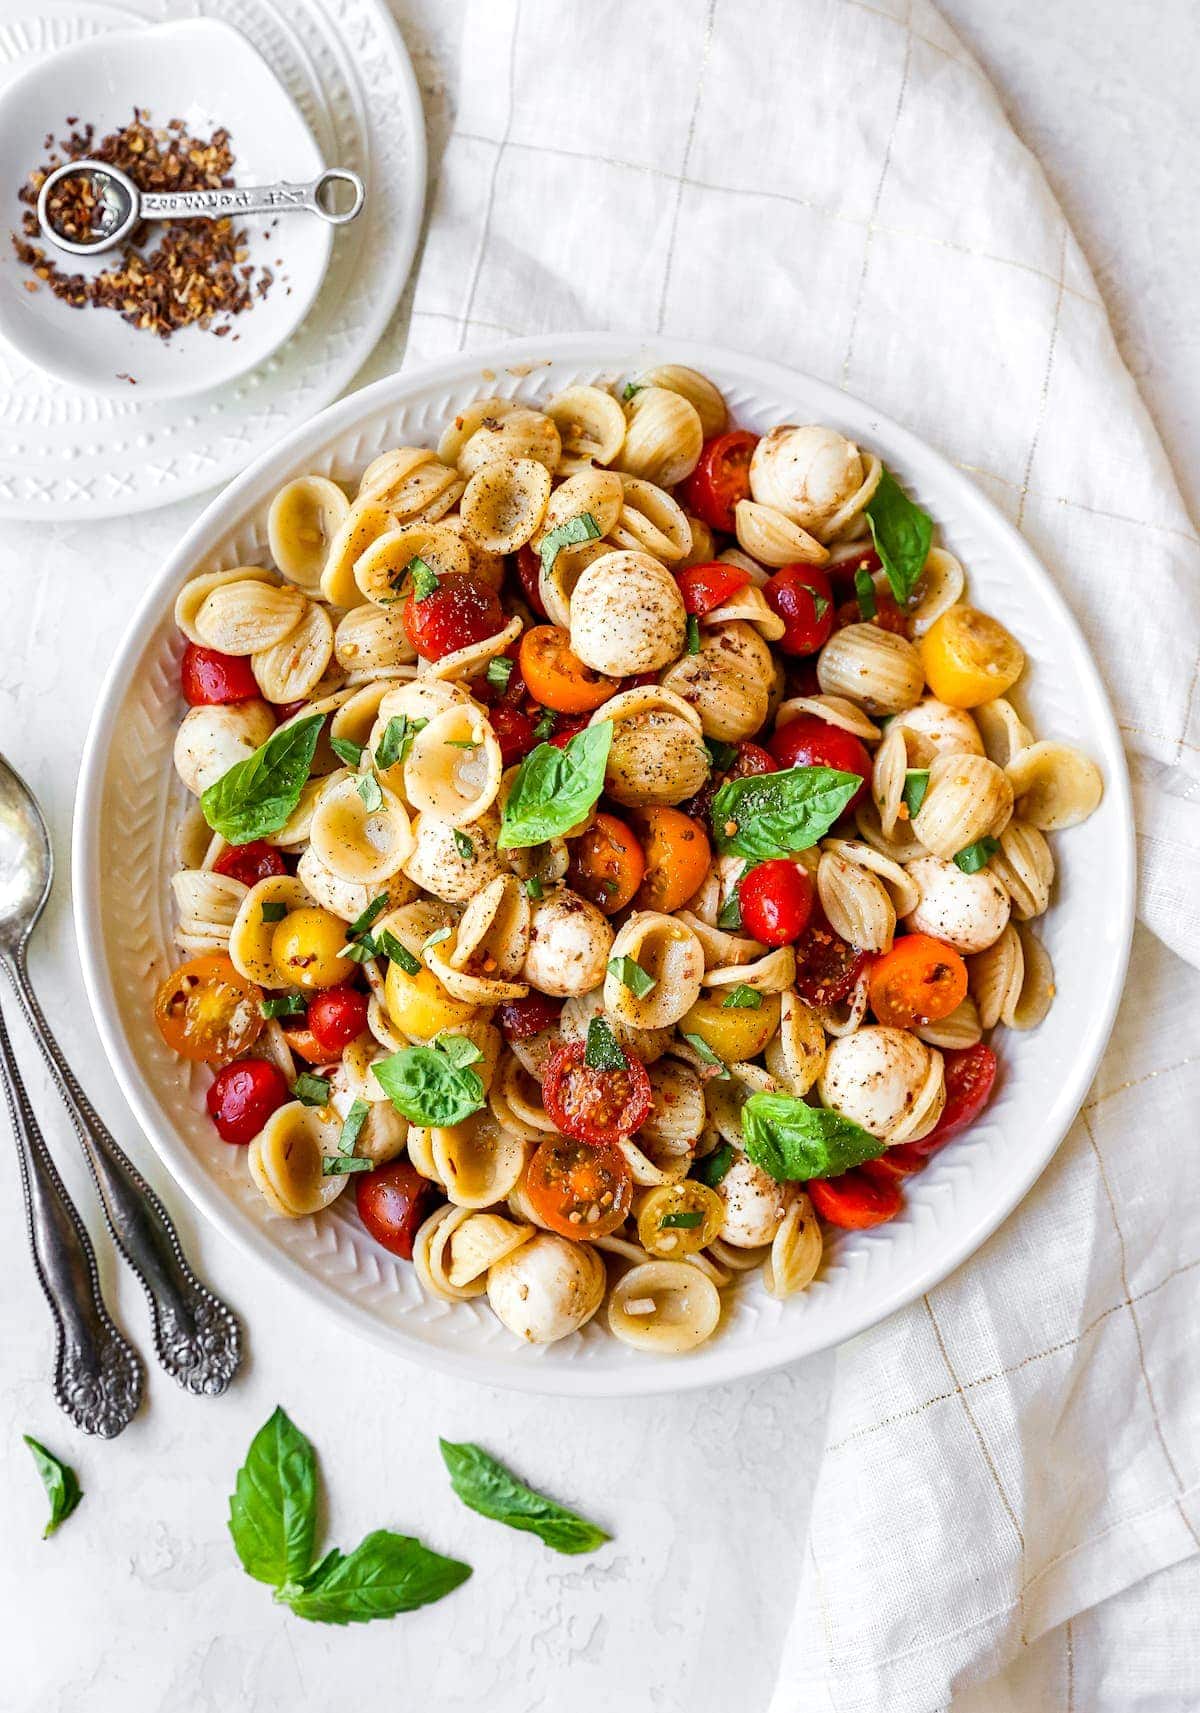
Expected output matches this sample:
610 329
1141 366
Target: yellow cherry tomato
969 657
306 949
733 1032
419 1005
679 1219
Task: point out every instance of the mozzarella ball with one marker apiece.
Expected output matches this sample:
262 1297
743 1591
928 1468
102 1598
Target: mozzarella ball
546 1289
569 944
211 740
935 728
627 615
805 473
454 863
967 911
875 1077
755 1204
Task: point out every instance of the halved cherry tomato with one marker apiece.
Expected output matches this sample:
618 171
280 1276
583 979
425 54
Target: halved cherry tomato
721 478
593 1105
776 899
207 1012
919 981
970 1079
393 1202
845 565
827 966
303 1042
678 855
516 731
243 1096
521 1019
969 657
808 741
251 863
336 1017
802 597
606 863
565 728
855 1201
704 587
895 1163
207 677
580 1190
887 615
751 758
462 610
285 711
556 676
529 570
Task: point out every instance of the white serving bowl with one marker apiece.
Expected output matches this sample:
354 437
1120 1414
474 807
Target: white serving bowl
128 808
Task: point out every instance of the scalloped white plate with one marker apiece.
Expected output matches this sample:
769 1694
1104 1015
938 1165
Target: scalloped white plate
128 806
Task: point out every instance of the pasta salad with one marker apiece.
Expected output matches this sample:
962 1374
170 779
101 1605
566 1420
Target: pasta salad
613 847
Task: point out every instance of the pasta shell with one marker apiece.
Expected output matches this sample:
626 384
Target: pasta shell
516 1101
796 1252
466 422
432 1254
357 843
439 865
678 1114
657 753
671 955
646 1044
627 615
478 1162
381 572
365 523
494 931
471 661
591 425
247 615
939 586
900 885
721 950
880 671
796 1052
598 493
211 740
968 798
251 934
664 1306
503 504
834 710
1037 988
726 1096
847 1015
304 518
207 904
849 516
648 1173
997 975
901 846
704 543
384 1132
285 1160
650 521
1055 785
289 671
772 539
749 605
1003 733
191 598
889 773
934 728
414 485
420 1152
481 1239
471 989
774 972
370 638
663 436
1024 865
725 681
519 433
453 768
697 389
961 1029
856 903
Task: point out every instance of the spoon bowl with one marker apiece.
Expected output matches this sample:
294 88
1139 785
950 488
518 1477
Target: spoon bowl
26 861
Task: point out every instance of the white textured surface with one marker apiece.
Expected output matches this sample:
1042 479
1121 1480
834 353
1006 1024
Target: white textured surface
138 1605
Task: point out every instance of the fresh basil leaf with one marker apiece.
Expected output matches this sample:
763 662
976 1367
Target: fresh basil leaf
424 579
713 1167
722 755
398 953
743 998
428 1087
373 911
499 671
533 887
59 1480
916 784
463 845
459 1049
393 745
352 1125
864 590
273 1511
274 911
681 1221
793 1141
436 938
360 951
902 533
350 753
284 1005
700 1046
693 634
569 534
371 792
555 788
488 1487
342 1165
310 1090
729 916
602 1051
820 604
768 815
256 796
974 857
631 975
630 388
385 1574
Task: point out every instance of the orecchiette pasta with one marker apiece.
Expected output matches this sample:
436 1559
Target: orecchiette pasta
663 436
304 518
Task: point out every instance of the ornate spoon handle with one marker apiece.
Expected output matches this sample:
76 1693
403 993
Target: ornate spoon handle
197 1338
97 1373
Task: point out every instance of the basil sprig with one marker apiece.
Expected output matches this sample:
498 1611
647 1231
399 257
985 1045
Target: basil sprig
429 1087
61 1484
555 788
902 533
793 1141
488 1487
256 796
768 815
273 1521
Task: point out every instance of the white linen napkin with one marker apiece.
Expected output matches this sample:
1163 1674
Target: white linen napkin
833 184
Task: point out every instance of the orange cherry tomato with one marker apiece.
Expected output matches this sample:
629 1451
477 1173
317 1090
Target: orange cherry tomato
304 1043
919 981
556 677
606 863
577 1189
678 855
208 1012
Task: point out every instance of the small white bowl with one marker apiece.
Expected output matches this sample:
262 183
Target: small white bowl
207 74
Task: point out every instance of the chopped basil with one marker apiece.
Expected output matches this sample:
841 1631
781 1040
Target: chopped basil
902 533
424 580
864 589
743 998
427 1087
499 672
460 743
373 911
555 788
569 534
274 912
533 887
397 737
974 857
436 938
681 1221
352 1125
770 815
713 1167
362 950
350 753
255 797
729 916
630 388
459 1049
341 1165
820 604
722 755
631 975
398 953
793 1141
705 1052
603 1051
310 1090
545 725
371 792
61 1484
463 845
916 784
284 1005
693 634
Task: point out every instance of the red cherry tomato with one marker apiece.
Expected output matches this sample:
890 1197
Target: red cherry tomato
580 1191
285 711
970 1079
843 570
750 758
802 597
595 1106
515 731
854 1200
462 610
529 569
827 967
250 863
776 900
565 727
704 587
242 1096
207 677
721 478
894 1164
393 1202
337 1016
521 1019
807 741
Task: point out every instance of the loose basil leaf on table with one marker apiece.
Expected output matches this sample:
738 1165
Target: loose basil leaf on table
256 796
794 1142
273 1511
555 788
902 533
59 1480
777 814
489 1488
428 1087
385 1574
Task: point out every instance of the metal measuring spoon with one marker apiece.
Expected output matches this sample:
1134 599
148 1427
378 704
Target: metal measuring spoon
197 1338
120 204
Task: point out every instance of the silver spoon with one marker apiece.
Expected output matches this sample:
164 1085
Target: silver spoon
197 1338
120 204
